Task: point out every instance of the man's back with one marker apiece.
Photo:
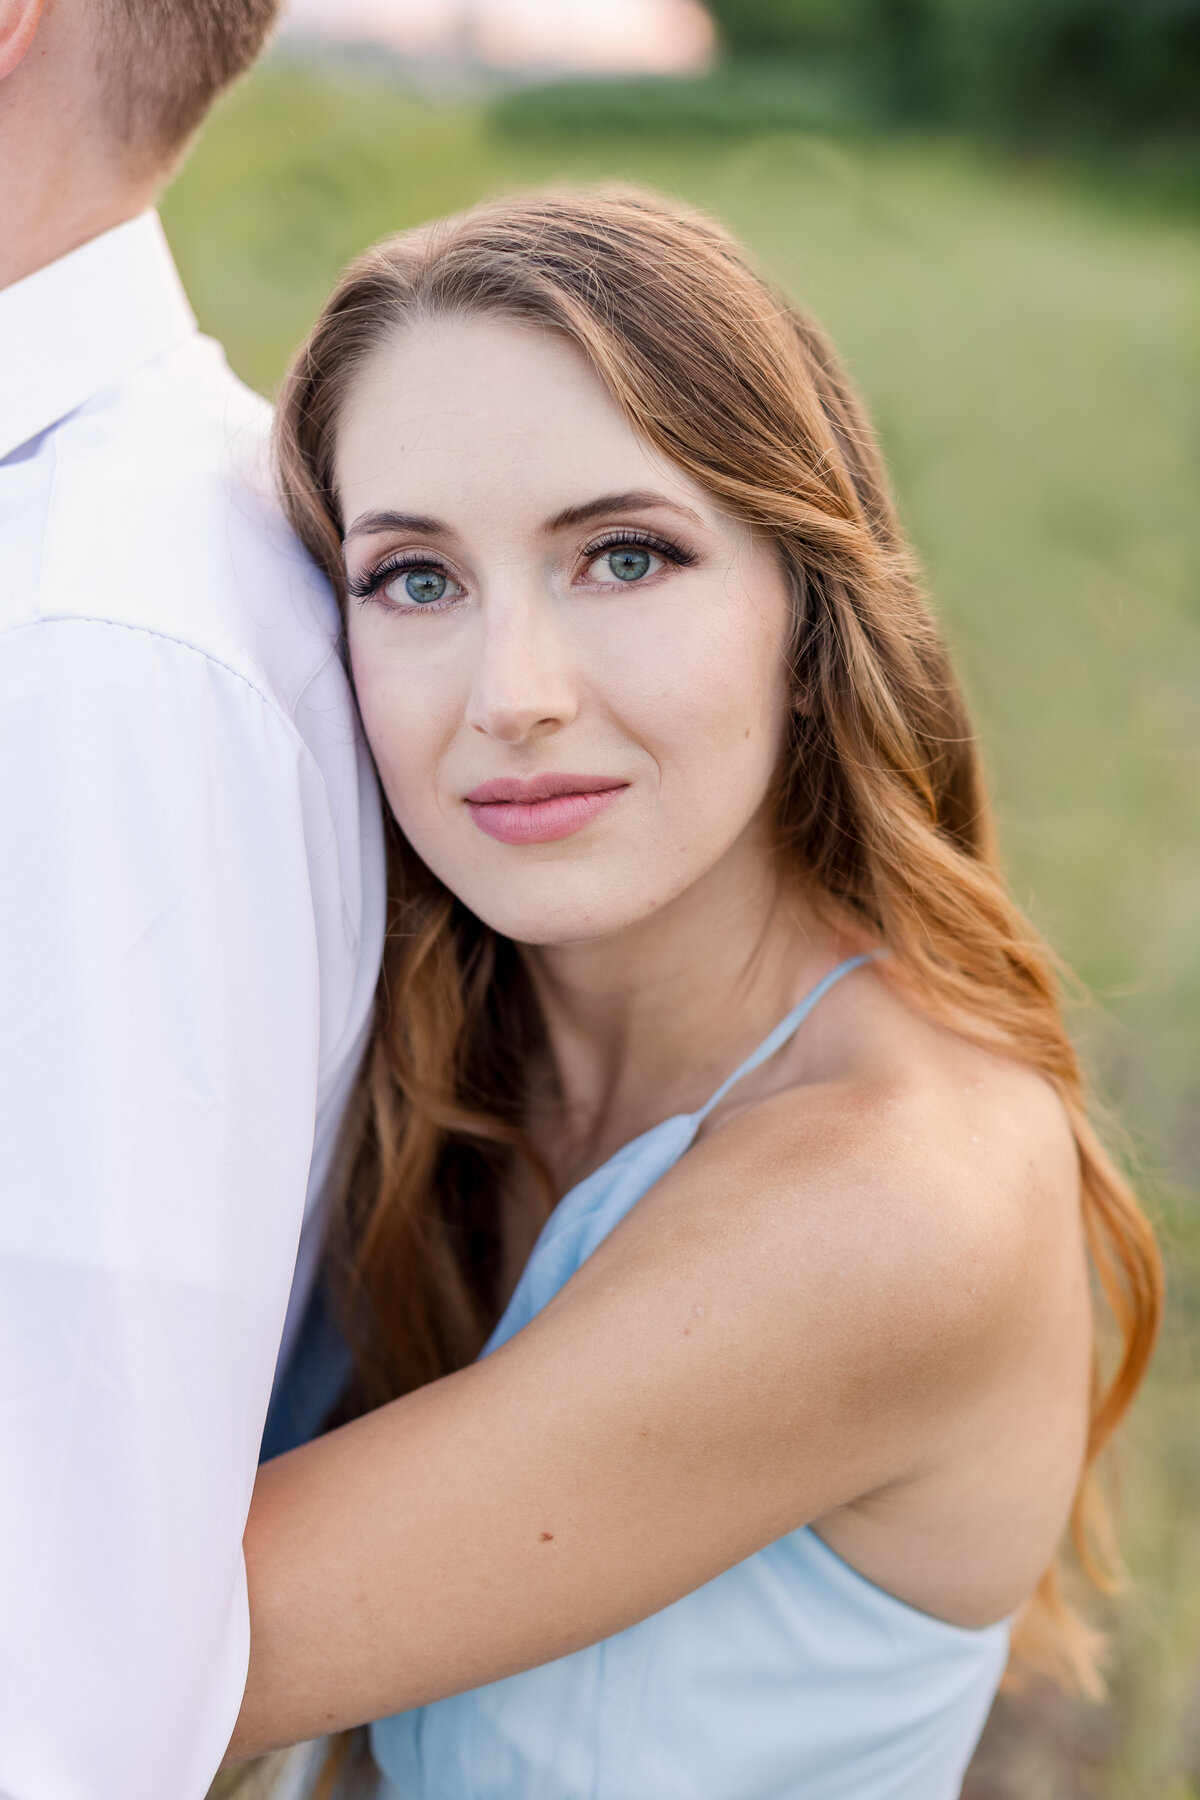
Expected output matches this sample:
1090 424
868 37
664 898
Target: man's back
191 906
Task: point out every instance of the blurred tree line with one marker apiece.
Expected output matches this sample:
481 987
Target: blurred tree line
1032 66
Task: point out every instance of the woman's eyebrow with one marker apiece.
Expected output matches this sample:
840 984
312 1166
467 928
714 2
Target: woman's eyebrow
369 523
639 500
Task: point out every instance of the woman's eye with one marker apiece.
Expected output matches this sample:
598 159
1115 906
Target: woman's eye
420 586
624 562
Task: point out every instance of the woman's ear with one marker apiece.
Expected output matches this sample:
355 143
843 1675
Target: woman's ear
18 27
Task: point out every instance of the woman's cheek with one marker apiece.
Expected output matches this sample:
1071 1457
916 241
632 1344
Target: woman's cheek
403 717
705 693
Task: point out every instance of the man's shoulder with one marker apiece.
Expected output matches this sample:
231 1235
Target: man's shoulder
162 516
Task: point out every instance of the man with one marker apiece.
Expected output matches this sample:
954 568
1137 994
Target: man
191 900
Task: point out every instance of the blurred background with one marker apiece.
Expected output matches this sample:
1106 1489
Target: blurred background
994 206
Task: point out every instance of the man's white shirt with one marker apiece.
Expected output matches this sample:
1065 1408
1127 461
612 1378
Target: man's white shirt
191 915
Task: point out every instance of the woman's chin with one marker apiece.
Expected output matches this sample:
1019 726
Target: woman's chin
554 930
553 921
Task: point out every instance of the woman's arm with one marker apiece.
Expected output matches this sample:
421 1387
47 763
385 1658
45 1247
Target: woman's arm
752 1348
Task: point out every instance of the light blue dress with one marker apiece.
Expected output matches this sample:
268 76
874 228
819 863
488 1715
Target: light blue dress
789 1675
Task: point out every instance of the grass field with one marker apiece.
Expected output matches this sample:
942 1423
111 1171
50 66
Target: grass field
1031 350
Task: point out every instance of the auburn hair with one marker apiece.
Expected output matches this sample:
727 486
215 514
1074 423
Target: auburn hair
879 800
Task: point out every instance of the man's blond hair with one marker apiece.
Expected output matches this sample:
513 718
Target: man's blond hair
163 63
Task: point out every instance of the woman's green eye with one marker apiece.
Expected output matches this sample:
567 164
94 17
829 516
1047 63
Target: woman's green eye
628 563
424 585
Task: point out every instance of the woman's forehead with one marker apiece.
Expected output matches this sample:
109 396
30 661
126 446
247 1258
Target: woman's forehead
487 370
459 414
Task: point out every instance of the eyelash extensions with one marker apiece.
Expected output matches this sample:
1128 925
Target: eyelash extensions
638 540
365 586
362 587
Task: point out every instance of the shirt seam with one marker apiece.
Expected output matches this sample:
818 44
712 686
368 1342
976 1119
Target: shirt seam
49 510
348 1027
179 643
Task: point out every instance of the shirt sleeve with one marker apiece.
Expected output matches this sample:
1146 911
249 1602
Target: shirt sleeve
158 1071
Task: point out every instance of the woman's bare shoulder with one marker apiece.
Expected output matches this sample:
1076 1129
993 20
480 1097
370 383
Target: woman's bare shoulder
882 1248
921 1165
902 1266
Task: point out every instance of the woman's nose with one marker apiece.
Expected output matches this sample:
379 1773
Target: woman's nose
524 685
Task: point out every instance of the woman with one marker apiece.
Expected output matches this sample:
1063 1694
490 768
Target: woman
698 930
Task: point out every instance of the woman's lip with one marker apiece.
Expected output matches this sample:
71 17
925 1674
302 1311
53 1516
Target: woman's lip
508 788
523 819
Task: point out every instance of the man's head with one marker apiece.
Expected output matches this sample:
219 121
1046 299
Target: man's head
98 102
160 64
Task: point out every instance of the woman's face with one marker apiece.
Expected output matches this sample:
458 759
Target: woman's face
570 663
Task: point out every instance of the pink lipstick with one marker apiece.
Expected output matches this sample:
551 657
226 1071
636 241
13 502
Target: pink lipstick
542 809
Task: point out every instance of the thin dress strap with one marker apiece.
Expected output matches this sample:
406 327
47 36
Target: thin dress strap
786 1028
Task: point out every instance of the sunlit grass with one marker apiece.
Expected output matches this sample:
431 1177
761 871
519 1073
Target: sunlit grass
1032 355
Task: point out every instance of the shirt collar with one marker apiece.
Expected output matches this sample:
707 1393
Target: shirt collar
79 325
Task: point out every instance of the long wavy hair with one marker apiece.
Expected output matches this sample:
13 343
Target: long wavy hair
879 800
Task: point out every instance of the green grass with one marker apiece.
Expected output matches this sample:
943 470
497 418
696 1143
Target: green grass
1031 349
736 99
